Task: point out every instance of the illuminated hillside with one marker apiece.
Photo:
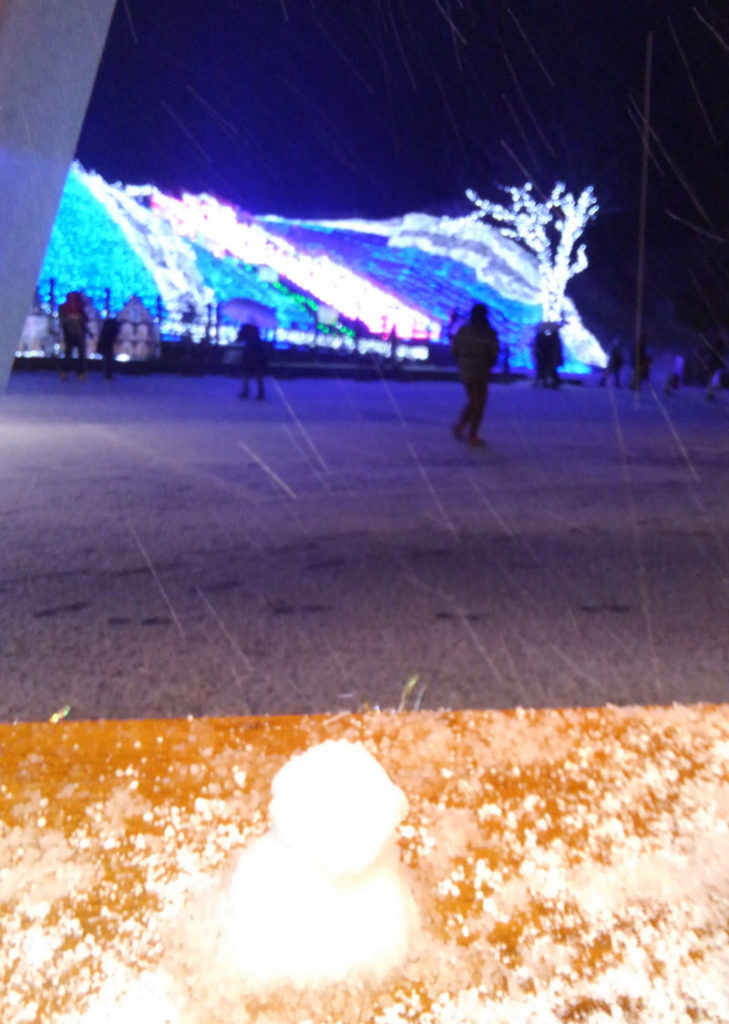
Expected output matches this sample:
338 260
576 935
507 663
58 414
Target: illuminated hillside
196 251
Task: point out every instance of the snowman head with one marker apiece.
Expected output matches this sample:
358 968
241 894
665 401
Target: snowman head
335 806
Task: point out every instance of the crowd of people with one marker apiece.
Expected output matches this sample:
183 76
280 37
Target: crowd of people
475 348
474 345
708 368
75 328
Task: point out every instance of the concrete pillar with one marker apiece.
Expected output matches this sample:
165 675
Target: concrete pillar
49 54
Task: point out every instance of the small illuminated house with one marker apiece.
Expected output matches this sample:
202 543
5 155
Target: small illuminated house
138 335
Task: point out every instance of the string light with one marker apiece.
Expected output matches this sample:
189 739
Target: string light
409 272
550 229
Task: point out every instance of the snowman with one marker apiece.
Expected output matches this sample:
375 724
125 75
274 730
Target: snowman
321 897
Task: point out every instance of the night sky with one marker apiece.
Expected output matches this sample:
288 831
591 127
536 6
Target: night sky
336 108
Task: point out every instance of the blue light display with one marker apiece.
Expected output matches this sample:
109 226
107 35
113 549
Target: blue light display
88 250
136 241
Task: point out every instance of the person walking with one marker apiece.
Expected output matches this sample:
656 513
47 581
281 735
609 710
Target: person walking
548 354
674 378
642 362
72 314
540 348
475 347
614 365
106 342
714 362
253 359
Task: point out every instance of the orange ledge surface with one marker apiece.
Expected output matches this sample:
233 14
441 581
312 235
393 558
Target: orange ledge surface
569 865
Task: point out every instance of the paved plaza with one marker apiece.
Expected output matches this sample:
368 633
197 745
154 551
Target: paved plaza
171 550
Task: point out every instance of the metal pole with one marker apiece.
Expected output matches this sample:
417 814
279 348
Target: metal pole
640 277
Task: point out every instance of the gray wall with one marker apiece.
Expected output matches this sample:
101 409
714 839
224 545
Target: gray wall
49 53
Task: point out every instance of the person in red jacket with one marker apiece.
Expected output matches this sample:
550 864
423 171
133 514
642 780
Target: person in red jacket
72 314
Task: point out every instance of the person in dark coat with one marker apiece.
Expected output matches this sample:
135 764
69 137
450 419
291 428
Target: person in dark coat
359 332
614 365
540 357
72 314
548 354
475 347
642 362
714 362
254 362
556 355
106 342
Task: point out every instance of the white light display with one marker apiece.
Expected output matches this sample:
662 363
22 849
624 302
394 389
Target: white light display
185 257
166 254
216 225
550 229
509 270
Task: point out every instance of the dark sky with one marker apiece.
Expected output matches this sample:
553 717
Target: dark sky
378 107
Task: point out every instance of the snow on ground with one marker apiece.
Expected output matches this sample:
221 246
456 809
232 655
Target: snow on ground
170 550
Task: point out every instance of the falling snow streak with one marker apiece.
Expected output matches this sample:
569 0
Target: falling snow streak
460 612
458 39
580 672
694 87
329 133
520 128
380 31
705 299
636 120
186 131
267 469
130 22
449 111
524 597
421 468
523 169
527 106
300 426
156 577
306 455
343 55
235 646
226 125
401 48
718 536
676 436
639 558
532 50
719 38
433 493
679 174
712 235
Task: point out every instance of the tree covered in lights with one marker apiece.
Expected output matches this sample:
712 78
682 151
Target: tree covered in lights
550 229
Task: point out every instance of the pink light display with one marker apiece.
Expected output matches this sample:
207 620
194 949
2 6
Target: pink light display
217 226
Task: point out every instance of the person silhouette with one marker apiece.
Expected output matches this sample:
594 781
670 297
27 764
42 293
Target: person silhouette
72 314
614 365
641 363
105 344
475 347
253 359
